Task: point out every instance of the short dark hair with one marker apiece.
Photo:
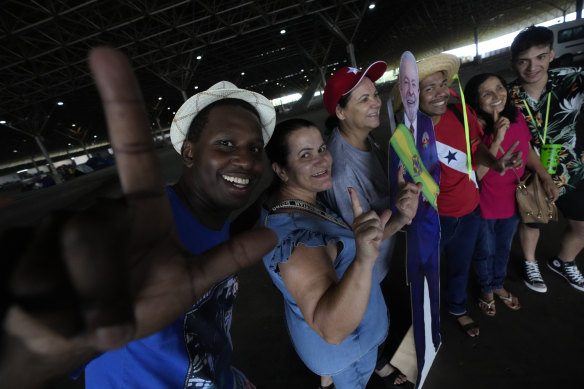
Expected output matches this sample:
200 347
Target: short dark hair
530 37
200 121
277 148
472 97
333 121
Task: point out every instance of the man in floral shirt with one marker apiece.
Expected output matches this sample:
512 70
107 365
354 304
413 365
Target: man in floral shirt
551 102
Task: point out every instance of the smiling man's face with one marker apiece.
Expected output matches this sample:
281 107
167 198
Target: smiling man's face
227 158
434 95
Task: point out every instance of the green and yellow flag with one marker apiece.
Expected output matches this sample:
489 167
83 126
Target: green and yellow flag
403 143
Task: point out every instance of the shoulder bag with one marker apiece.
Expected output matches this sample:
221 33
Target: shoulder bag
532 203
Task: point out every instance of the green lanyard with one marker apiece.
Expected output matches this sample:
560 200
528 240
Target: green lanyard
547 114
466 130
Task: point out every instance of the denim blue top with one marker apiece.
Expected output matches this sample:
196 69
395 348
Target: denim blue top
319 356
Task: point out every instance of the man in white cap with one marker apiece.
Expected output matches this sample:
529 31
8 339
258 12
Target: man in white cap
101 278
220 134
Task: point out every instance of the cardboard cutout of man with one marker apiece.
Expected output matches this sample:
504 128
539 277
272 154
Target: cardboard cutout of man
423 235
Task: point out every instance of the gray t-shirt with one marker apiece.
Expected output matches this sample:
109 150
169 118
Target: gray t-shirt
366 172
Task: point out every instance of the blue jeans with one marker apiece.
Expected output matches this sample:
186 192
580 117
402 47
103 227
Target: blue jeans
458 236
492 251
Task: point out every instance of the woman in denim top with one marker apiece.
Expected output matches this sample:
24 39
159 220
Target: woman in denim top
335 312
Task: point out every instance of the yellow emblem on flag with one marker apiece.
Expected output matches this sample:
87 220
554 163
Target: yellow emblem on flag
403 143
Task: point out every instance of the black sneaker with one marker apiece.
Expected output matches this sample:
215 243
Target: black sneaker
532 277
569 271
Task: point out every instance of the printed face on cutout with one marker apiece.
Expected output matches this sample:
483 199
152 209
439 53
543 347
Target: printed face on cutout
409 87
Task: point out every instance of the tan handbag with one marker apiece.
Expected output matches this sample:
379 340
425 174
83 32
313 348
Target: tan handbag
532 203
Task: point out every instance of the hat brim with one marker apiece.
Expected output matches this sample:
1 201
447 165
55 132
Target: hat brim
374 71
222 90
445 63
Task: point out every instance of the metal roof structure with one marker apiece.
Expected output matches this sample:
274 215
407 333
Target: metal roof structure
181 46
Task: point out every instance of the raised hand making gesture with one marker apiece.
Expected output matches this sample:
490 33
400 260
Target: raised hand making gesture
95 280
406 203
368 229
500 125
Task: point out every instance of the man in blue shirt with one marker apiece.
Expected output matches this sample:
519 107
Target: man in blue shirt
126 276
220 136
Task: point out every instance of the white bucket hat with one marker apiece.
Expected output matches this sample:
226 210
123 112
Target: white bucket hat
222 90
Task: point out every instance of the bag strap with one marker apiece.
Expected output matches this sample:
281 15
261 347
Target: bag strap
456 113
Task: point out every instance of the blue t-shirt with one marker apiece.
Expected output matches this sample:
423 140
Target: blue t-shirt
194 351
319 356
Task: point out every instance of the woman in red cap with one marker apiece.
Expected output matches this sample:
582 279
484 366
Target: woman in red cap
352 100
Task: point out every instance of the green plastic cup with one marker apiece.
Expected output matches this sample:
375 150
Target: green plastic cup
550 156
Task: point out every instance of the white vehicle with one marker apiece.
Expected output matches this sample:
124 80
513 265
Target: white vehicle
568 42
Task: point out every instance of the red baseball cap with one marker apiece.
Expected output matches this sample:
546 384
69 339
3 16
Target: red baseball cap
344 80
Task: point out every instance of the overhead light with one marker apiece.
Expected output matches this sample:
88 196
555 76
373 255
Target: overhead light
199 57
159 98
372 5
15 151
60 103
243 73
282 31
4 121
196 87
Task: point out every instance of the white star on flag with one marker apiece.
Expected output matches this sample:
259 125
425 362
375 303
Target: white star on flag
353 70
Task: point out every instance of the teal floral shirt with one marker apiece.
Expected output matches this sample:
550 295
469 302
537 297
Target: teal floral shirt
565 125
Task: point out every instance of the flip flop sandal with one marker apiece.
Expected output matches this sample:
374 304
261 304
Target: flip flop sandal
488 308
510 301
468 326
390 378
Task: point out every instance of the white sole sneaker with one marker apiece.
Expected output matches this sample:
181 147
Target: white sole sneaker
541 288
556 266
532 277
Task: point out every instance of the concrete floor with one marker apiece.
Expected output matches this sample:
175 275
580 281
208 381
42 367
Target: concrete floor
539 346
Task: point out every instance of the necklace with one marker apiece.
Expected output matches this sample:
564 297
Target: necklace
307 207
